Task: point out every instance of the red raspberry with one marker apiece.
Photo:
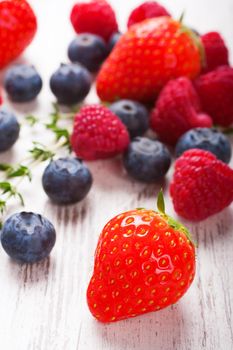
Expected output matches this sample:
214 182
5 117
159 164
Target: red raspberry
148 9
98 133
216 51
215 90
177 111
96 17
202 185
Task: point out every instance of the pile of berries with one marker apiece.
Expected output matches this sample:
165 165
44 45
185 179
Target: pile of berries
161 62
159 75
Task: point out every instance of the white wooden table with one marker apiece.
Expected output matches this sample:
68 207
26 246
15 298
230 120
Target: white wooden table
43 307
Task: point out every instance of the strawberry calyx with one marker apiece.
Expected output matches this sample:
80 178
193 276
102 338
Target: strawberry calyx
196 40
176 225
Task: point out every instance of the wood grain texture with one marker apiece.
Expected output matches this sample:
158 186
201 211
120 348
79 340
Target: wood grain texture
43 306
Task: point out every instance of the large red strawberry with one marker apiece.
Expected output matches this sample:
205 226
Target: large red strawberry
146 58
144 261
202 185
18 26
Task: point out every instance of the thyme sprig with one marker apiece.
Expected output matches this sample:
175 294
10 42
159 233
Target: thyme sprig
14 174
60 132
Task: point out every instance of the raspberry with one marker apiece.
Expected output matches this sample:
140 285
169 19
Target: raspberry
215 90
96 17
177 110
202 185
98 133
148 9
216 52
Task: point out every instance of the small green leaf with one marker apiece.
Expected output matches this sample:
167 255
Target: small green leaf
20 198
6 186
53 122
41 152
32 120
21 171
5 167
160 202
55 108
55 116
2 206
61 133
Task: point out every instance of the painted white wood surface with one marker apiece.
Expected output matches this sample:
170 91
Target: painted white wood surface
43 307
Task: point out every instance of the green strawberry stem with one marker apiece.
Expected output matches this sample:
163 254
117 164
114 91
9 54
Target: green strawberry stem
181 17
160 202
171 222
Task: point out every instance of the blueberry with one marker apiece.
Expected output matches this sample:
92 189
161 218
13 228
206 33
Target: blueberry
9 130
113 41
147 160
133 114
66 180
28 237
88 49
70 83
207 139
22 83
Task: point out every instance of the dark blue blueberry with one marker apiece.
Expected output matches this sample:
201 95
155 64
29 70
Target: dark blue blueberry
9 130
113 41
133 114
207 139
70 83
147 160
66 180
88 49
28 237
22 83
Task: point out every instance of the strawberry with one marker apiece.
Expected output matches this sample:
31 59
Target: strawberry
18 26
144 261
146 58
202 185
